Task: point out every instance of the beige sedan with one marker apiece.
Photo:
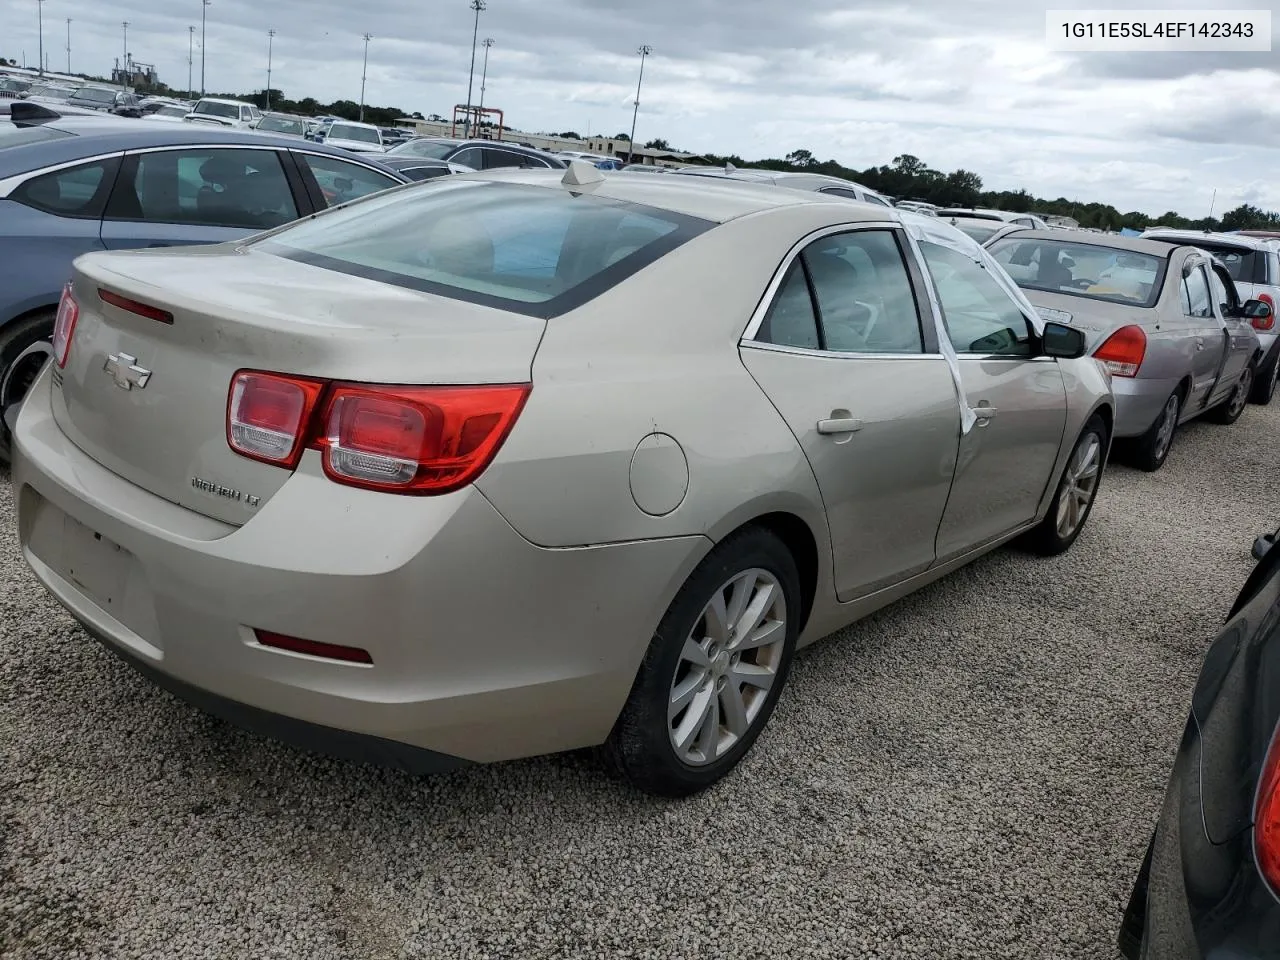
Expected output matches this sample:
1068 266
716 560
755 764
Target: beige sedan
523 462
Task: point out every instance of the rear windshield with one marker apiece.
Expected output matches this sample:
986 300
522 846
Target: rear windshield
342 131
979 231
281 125
95 94
526 249
213 109
1244 264
428 149
16 136
1082 270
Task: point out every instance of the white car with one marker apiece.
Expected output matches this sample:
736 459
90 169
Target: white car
169 113
224 113
353 136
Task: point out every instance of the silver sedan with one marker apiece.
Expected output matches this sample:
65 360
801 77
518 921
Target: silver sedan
515 462
1163 319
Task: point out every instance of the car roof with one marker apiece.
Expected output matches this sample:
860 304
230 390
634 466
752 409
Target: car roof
1194 237
105 134
356 123
1114 241
239 103
717 200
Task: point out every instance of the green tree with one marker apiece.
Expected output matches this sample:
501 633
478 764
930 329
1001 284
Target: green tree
801 158
657 144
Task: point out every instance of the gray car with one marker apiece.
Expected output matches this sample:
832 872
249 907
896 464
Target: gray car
793 180
1254 265
1165 321
69 185
527 461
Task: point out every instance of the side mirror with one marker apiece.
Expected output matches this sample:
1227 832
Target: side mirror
1256 310
1262 546
1062 341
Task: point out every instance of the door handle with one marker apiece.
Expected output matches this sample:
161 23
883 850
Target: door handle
1199 343
984 411
839 425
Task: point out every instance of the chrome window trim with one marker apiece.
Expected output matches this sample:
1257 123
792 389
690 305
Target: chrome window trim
837 354
10 184
353 159
775 282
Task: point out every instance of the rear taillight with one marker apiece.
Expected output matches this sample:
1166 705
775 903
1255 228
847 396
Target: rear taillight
403 439
1266 323
268 415
1122 352
1266 824
64 327
420 440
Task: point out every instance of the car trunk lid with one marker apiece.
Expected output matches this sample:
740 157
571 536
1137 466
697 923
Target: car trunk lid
1096 318
147 398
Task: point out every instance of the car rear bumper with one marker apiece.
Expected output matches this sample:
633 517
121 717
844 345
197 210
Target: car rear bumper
1138 403
484 646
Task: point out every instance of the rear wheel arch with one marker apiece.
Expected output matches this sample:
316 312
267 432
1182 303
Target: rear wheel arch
798 538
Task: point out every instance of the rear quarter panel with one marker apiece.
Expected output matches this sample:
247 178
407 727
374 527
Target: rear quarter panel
36 252
658 354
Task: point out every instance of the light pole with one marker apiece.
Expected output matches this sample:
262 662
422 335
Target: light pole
68 44
191 46
477 6
204 11
40 18
484 74
124 63
271 38
364 72
644 51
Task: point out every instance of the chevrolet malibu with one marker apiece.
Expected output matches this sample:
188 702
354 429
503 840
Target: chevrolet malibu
511 463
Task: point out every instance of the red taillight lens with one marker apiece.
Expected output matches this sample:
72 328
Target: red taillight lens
1266 824
268 415
135 306
1122 353
313 648
421 440
1266 323
64 327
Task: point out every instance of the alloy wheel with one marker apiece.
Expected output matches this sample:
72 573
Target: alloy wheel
729 663
1079 484
1241 395
1168 423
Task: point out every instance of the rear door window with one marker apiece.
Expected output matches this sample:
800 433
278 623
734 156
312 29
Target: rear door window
79 191
340 181
204 186
1196 300
524 249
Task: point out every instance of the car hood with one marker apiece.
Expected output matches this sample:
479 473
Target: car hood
353 146
209 118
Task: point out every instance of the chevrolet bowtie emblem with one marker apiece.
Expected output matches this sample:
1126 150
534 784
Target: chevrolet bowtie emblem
124 370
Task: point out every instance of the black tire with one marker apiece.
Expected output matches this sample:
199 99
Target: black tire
1264 385
640 747
1145 452
1046 539
1229 410
14 339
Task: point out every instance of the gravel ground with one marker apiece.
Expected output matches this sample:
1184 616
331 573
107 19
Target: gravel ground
972 773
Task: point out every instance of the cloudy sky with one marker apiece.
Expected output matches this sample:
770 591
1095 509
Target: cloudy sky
959 84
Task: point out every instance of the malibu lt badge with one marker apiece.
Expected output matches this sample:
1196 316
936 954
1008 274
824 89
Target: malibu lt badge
229 493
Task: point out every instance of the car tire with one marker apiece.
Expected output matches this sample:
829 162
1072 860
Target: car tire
1149 451
1229 410
1076 494
15 338
664 748
1264 385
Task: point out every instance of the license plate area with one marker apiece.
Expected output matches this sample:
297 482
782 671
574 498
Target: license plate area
96 565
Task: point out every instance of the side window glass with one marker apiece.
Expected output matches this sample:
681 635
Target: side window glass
74 192
1222 296
341 181
863 292
980 316
791 321
205 187
499 159
471 157
841 192
1195 294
